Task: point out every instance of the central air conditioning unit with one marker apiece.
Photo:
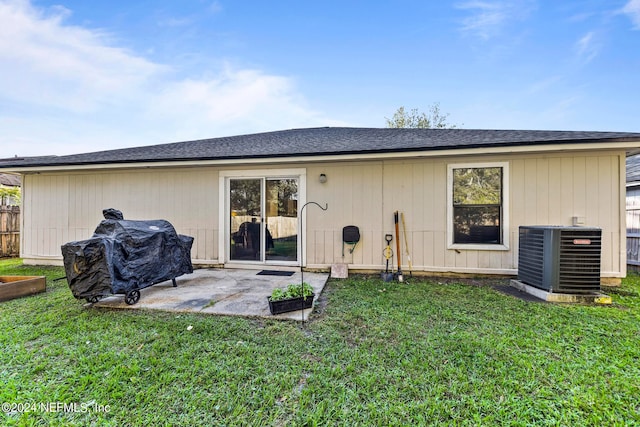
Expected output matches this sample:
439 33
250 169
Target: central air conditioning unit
560 259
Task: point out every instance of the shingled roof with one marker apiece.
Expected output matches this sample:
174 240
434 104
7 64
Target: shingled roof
322 142
9 180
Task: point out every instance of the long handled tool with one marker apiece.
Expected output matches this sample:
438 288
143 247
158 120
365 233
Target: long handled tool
387 275
395 219
406 244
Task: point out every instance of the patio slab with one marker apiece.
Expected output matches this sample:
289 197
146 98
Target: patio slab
220 291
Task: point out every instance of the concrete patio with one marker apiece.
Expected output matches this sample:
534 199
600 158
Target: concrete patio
220 291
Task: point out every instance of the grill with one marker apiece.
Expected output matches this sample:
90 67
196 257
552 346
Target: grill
123 257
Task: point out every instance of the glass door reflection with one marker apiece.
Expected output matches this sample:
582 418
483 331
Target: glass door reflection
246 219
281 232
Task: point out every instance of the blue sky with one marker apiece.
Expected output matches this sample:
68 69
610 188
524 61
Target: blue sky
79 76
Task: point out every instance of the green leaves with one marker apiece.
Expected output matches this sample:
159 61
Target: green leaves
414 119
292 291
10 195
477 186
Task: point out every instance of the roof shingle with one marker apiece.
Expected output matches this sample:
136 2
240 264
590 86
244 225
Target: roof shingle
323 141
9 180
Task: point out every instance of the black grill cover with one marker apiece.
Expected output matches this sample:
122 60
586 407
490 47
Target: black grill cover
123 255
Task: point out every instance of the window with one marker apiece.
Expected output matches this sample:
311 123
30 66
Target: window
477 200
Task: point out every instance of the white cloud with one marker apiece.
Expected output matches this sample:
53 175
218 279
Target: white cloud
544 85
632 8
487 18
215 7
175 22
588 46
236 101
45 63
63 85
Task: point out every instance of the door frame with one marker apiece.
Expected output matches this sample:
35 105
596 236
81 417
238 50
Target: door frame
224 236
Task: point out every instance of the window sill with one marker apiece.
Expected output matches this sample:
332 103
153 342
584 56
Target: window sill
478 247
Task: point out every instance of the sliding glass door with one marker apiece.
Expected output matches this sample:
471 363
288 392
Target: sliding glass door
281 219
263 219
245 201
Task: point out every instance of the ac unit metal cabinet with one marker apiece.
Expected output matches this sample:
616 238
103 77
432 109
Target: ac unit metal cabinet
560 259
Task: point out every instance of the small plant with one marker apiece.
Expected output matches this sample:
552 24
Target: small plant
292 291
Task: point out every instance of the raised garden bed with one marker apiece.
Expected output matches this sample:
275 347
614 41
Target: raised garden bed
290 304
293 297
19 286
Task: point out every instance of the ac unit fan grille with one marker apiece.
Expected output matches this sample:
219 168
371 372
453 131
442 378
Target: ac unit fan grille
560 259
531 264
579 264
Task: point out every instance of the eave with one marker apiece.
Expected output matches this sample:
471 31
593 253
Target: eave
630 148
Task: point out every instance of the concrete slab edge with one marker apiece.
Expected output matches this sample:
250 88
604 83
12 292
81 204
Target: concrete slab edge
592 298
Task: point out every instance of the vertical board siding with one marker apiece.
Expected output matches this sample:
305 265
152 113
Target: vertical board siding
353 195
564 187
554 192
543 190
566 184
45 210
547 190
63 208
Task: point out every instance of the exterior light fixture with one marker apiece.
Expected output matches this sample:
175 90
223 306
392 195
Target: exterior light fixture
323 178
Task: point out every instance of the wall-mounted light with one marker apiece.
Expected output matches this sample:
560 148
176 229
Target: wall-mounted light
323 178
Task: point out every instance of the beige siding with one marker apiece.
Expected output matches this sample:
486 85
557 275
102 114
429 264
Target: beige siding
353 195
61 208
543 189
45 215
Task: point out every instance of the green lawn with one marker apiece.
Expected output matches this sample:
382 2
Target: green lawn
416 353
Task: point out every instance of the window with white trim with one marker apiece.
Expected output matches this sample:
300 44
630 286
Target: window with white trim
477 208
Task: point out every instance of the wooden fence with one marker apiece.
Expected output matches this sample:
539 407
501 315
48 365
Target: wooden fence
9 231
279 226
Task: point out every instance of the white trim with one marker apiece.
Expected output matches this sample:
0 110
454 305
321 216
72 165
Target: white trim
205 262
477 247
505 207
24 192
418 269
256 266
622 216
261 173
34 260
224 222
447 270
427 153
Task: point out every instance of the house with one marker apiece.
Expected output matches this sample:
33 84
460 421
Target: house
633 212
9 189
463 192
9 215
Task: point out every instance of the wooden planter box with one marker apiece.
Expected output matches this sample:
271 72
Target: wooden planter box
19 286
290 304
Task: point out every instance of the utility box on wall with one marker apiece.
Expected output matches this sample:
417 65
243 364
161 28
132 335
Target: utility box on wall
559 258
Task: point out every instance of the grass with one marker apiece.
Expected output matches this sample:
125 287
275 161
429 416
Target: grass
421 353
